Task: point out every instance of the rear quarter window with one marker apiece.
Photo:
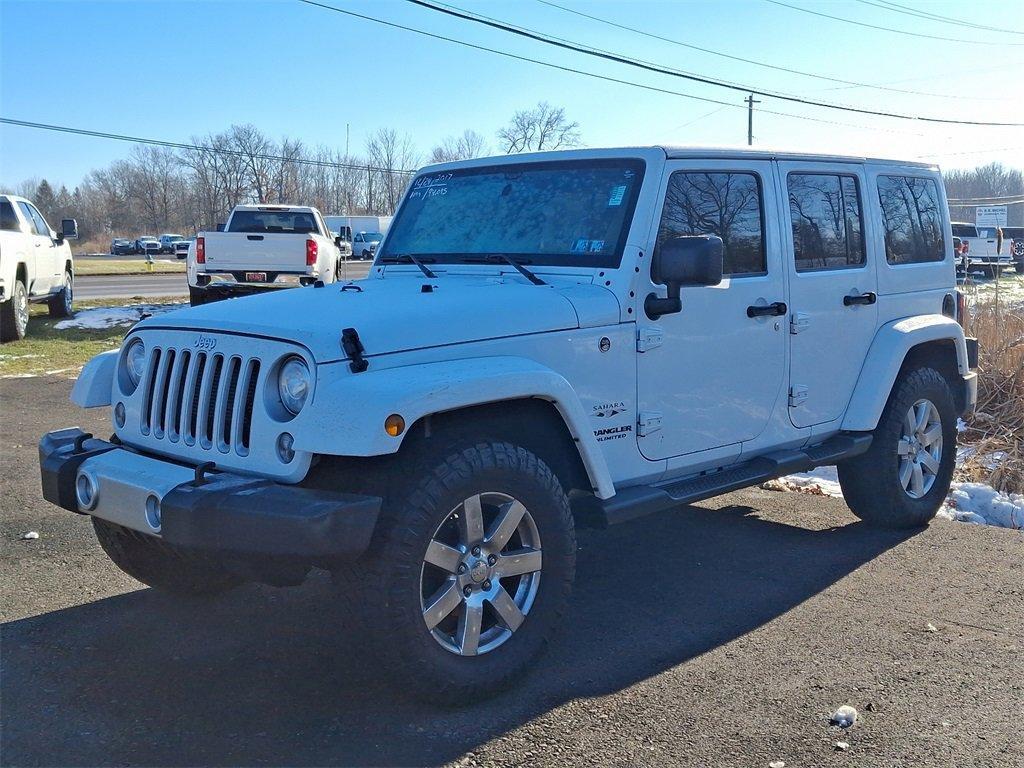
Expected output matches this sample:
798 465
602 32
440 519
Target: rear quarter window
912 219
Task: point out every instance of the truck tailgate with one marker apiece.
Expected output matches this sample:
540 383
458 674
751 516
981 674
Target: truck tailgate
270 252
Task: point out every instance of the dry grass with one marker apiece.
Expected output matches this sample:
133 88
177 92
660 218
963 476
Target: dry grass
127 267
998 424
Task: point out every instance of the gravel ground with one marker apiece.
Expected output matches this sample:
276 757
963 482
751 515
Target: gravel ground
721 634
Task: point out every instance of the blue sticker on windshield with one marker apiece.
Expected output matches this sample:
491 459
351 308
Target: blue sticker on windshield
617 195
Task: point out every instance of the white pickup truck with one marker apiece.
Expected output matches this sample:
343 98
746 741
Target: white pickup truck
35 265
262 247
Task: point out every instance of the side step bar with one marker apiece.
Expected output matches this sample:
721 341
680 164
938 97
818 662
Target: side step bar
640 500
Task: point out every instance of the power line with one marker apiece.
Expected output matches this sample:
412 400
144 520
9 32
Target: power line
886 29
897 8
777 68
521 32
197 147
594 75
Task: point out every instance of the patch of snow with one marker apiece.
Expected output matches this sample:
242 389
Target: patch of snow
983 505
975 503
30 535
100 318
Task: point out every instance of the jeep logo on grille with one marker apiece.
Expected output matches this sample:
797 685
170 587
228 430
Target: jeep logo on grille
205 342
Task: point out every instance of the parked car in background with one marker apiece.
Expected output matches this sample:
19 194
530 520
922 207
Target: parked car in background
147 245
35 265
263 247
167 242
982 247
180 248
364 244
121 246
1013 242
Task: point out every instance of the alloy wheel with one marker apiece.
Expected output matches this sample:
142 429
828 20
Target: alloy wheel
480 574
919 449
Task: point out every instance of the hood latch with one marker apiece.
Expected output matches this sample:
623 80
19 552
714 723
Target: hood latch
354 349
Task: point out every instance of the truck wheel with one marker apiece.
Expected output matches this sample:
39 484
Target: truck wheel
160 565
196 297
471 571
902 480
60 305
14 314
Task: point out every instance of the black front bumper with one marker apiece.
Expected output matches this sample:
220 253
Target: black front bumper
227 513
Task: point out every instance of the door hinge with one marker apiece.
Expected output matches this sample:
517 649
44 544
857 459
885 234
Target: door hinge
649 337
799 321
797 395
648 422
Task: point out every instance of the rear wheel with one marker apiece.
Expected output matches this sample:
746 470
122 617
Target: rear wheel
61 305
161 565
14 314
196 297
902 480
472 571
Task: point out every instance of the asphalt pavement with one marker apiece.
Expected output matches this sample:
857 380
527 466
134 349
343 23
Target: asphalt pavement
718 634
155 285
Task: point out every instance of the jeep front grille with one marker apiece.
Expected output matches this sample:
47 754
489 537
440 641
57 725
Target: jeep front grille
203 399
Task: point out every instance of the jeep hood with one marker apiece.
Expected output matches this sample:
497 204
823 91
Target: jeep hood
395 314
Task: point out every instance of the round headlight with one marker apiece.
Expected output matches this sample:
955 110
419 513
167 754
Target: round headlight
135 361
293 384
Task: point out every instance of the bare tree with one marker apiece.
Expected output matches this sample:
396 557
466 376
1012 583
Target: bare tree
465 147
392 156
258 152
537 129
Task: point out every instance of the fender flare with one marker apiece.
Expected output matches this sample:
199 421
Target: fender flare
94 384
346 416
885 357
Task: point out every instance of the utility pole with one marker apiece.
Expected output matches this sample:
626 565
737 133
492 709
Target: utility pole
751 101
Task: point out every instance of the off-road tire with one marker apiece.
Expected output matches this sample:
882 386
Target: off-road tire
391 592
62 303
159 565
871 483
14 324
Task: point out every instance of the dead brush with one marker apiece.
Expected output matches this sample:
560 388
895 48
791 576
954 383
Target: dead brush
995 434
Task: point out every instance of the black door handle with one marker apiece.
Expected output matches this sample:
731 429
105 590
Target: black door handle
864 298
768 310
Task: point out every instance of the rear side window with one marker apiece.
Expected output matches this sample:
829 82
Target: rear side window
8 220
825 213
912 219
724 204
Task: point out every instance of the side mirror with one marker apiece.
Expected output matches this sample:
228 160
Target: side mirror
68 229
683 261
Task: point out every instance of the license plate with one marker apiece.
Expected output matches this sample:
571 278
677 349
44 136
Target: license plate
255 277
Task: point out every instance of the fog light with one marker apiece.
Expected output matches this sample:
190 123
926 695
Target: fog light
86 491
119 417
285 449
394 425
153 512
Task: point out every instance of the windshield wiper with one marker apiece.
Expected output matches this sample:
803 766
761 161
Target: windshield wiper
491 258
400 257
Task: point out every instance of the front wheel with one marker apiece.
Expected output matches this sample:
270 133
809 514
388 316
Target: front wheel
472 572
903 478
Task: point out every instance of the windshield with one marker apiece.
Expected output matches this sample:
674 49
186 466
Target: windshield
300 222
571 213
369 237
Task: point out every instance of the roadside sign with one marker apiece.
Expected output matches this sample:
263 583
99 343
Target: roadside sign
990 216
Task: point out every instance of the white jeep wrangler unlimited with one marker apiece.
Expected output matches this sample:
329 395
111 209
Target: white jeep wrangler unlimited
544 341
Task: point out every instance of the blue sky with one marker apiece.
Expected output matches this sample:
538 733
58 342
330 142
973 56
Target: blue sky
173 70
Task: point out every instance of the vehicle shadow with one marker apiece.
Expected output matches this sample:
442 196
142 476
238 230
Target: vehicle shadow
266 676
